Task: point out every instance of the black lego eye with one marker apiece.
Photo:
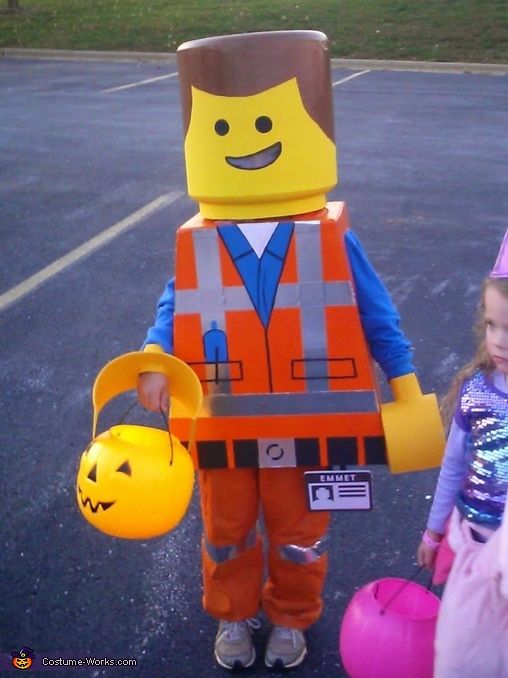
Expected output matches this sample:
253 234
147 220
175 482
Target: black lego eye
263 124
222 127
92 475
125 468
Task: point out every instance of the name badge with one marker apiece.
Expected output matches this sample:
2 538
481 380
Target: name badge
339 490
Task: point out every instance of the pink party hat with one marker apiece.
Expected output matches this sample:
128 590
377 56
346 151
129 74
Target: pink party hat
500 269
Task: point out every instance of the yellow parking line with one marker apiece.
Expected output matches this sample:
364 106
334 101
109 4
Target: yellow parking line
19 291
141 82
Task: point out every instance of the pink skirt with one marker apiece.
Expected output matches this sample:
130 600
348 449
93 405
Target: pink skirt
472 627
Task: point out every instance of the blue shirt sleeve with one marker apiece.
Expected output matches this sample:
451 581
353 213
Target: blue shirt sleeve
162 331
379 317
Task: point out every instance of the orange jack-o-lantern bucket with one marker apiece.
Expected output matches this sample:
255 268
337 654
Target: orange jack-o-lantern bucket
136 481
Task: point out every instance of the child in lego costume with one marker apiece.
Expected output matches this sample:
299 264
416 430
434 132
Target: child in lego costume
472 630
280 316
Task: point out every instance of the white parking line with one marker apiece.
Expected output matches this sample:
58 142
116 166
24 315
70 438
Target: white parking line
173 75
141 82
349 77
19 291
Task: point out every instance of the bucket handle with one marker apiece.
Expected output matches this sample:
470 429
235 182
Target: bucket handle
167 424
403 586
121 374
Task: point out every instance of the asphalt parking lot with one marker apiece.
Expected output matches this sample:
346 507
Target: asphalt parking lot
92 189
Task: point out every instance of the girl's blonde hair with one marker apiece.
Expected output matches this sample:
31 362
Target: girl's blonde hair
481 359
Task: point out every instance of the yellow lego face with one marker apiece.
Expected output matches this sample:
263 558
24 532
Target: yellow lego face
257 156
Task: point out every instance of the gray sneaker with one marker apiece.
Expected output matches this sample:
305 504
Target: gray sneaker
234 648
286 648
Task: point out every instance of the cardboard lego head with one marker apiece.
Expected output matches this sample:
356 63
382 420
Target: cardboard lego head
258 122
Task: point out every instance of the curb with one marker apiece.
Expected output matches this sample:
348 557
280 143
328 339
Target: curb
169 57
430 66
84 55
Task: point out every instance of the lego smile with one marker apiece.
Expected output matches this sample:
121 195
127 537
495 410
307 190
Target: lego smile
256 160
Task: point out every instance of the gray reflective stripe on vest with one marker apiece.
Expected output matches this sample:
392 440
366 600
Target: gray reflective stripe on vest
213 303
210 293
303 554
210 287
312 302
311 295
330 402
221 554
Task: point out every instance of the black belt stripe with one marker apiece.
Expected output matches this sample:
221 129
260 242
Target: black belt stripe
341 451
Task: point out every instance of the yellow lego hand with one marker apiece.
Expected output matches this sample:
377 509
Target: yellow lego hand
413 428
153 348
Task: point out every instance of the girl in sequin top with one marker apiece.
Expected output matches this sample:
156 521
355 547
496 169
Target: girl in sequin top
474 473
472 629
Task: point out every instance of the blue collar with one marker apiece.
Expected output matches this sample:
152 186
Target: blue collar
260 275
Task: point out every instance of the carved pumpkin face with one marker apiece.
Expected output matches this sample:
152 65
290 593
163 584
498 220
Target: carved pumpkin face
127 485
23 659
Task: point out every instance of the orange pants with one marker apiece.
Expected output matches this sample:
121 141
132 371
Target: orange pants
233 550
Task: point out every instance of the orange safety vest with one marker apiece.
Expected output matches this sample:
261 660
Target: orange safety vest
277 343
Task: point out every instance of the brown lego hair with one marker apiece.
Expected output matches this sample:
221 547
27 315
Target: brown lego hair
250 63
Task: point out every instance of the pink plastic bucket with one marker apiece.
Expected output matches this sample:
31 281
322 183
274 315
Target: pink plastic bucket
388 631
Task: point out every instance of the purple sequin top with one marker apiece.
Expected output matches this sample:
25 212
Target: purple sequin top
483 413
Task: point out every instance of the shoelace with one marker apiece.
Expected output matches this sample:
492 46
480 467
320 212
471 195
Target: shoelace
285 633
234 630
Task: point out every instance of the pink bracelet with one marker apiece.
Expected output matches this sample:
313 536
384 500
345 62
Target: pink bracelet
428 541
